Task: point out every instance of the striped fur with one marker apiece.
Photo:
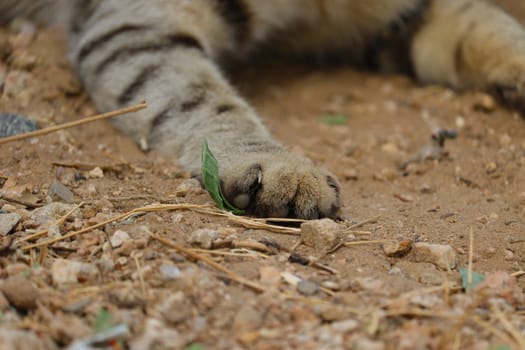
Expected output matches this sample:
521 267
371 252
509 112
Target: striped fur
168 52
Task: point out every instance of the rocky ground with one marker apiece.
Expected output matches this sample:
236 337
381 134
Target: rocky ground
105 246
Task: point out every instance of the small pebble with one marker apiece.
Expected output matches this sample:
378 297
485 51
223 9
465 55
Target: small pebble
169 271
350 174
491 167
390 148
105 265
319 234
345 326
270 275
330 313
127 297
118 238
331 285
404 197
189 186
247 319
370 284
20 292
397 249
426 189
96 173
58 192
460 122
203 238
307 287
71 271
485 103
8 222
509 255
122 261
176 308
441 255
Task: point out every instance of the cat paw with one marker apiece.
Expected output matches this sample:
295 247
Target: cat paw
512 96
281 185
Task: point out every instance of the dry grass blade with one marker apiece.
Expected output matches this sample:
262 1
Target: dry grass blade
149 208
21 202
491 329
516 334
259 224
429 290
280 220
230 274
364 222
73 123
86 166
420 313
518 274
349 244
141 277
244 253
470 256
57 223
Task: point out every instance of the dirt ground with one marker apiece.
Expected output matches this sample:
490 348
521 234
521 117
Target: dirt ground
146 279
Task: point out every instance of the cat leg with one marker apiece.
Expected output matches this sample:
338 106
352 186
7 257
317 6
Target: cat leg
472 44
165 52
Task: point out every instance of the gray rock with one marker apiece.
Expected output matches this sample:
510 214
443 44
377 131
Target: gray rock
307 287
13 124
8 222
52 212
57 191
176 308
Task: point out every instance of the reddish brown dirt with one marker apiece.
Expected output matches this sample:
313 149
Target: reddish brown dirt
480 185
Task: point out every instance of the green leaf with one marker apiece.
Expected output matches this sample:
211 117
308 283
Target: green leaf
195 346
499 347
477 278
103 321
334 119
210 178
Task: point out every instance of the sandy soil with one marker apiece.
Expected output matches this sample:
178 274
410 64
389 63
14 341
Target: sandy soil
363 299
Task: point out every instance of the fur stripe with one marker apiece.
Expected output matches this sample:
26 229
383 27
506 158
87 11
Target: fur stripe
237 15
170 42
83 10
195 101
147 73
97 42
161 118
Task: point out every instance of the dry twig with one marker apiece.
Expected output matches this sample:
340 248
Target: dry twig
470 255
72 124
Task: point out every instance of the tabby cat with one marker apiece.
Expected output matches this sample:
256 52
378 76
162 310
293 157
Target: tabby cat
168 52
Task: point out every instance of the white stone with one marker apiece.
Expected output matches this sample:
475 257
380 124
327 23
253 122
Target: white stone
71 271
119 237
8 222
441 255
319 234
